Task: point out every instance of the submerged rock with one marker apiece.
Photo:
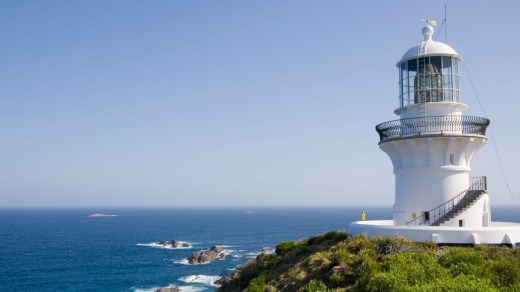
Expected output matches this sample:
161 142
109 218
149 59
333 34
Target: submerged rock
169 289
207 256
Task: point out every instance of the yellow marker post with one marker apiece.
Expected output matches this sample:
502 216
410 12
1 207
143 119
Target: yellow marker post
363 215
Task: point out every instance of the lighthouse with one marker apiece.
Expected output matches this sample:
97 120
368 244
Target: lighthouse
431 145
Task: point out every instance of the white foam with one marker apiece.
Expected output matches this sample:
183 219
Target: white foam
157 245
183 288
191 289
148 289
250 254
235 252
182 262
200 279
247 255
97 215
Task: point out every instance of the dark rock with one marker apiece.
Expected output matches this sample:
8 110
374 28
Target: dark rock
217 248
222 256
206 256
219 281
335 270
169 289
172 243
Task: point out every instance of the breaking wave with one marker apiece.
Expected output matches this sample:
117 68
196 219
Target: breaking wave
200 279
157 245
183 288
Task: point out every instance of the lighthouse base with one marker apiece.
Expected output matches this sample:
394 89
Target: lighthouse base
499 233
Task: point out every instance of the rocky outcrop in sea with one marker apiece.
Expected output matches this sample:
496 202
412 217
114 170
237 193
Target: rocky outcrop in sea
173 243
169 289
207 256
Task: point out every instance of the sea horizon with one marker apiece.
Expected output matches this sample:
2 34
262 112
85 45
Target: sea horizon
63 249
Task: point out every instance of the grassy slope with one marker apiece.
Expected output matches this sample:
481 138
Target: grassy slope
335 261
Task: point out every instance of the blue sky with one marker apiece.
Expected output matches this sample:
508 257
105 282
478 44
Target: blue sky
230 103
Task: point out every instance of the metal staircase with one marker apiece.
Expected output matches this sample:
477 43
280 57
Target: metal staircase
458 204
467 201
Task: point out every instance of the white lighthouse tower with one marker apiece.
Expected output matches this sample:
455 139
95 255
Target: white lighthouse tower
431 147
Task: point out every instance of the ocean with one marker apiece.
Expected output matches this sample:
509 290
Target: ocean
63 249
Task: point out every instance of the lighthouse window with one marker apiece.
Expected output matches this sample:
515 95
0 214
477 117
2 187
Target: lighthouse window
407 75
429 79
446 72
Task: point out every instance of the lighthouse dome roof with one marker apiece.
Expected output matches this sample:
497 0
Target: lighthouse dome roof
429 47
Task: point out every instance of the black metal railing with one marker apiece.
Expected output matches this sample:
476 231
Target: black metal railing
434 215
432 125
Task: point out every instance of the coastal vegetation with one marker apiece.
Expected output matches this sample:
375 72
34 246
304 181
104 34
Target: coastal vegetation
336 261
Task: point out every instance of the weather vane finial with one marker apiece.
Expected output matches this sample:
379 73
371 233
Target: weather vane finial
430 21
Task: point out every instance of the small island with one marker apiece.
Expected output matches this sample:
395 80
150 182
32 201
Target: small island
100 215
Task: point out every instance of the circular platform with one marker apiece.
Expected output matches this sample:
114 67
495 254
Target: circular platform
499 233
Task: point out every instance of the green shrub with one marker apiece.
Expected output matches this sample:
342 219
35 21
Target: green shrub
427 246
337 279
315 286
302 251
264 258
506 272
464 261
340 235
256 285
335 236
342 257
284 247
386 245
461 283
403 271
364 257
378 264
356 243
383 282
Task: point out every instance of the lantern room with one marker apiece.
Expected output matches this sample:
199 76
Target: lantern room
429 72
